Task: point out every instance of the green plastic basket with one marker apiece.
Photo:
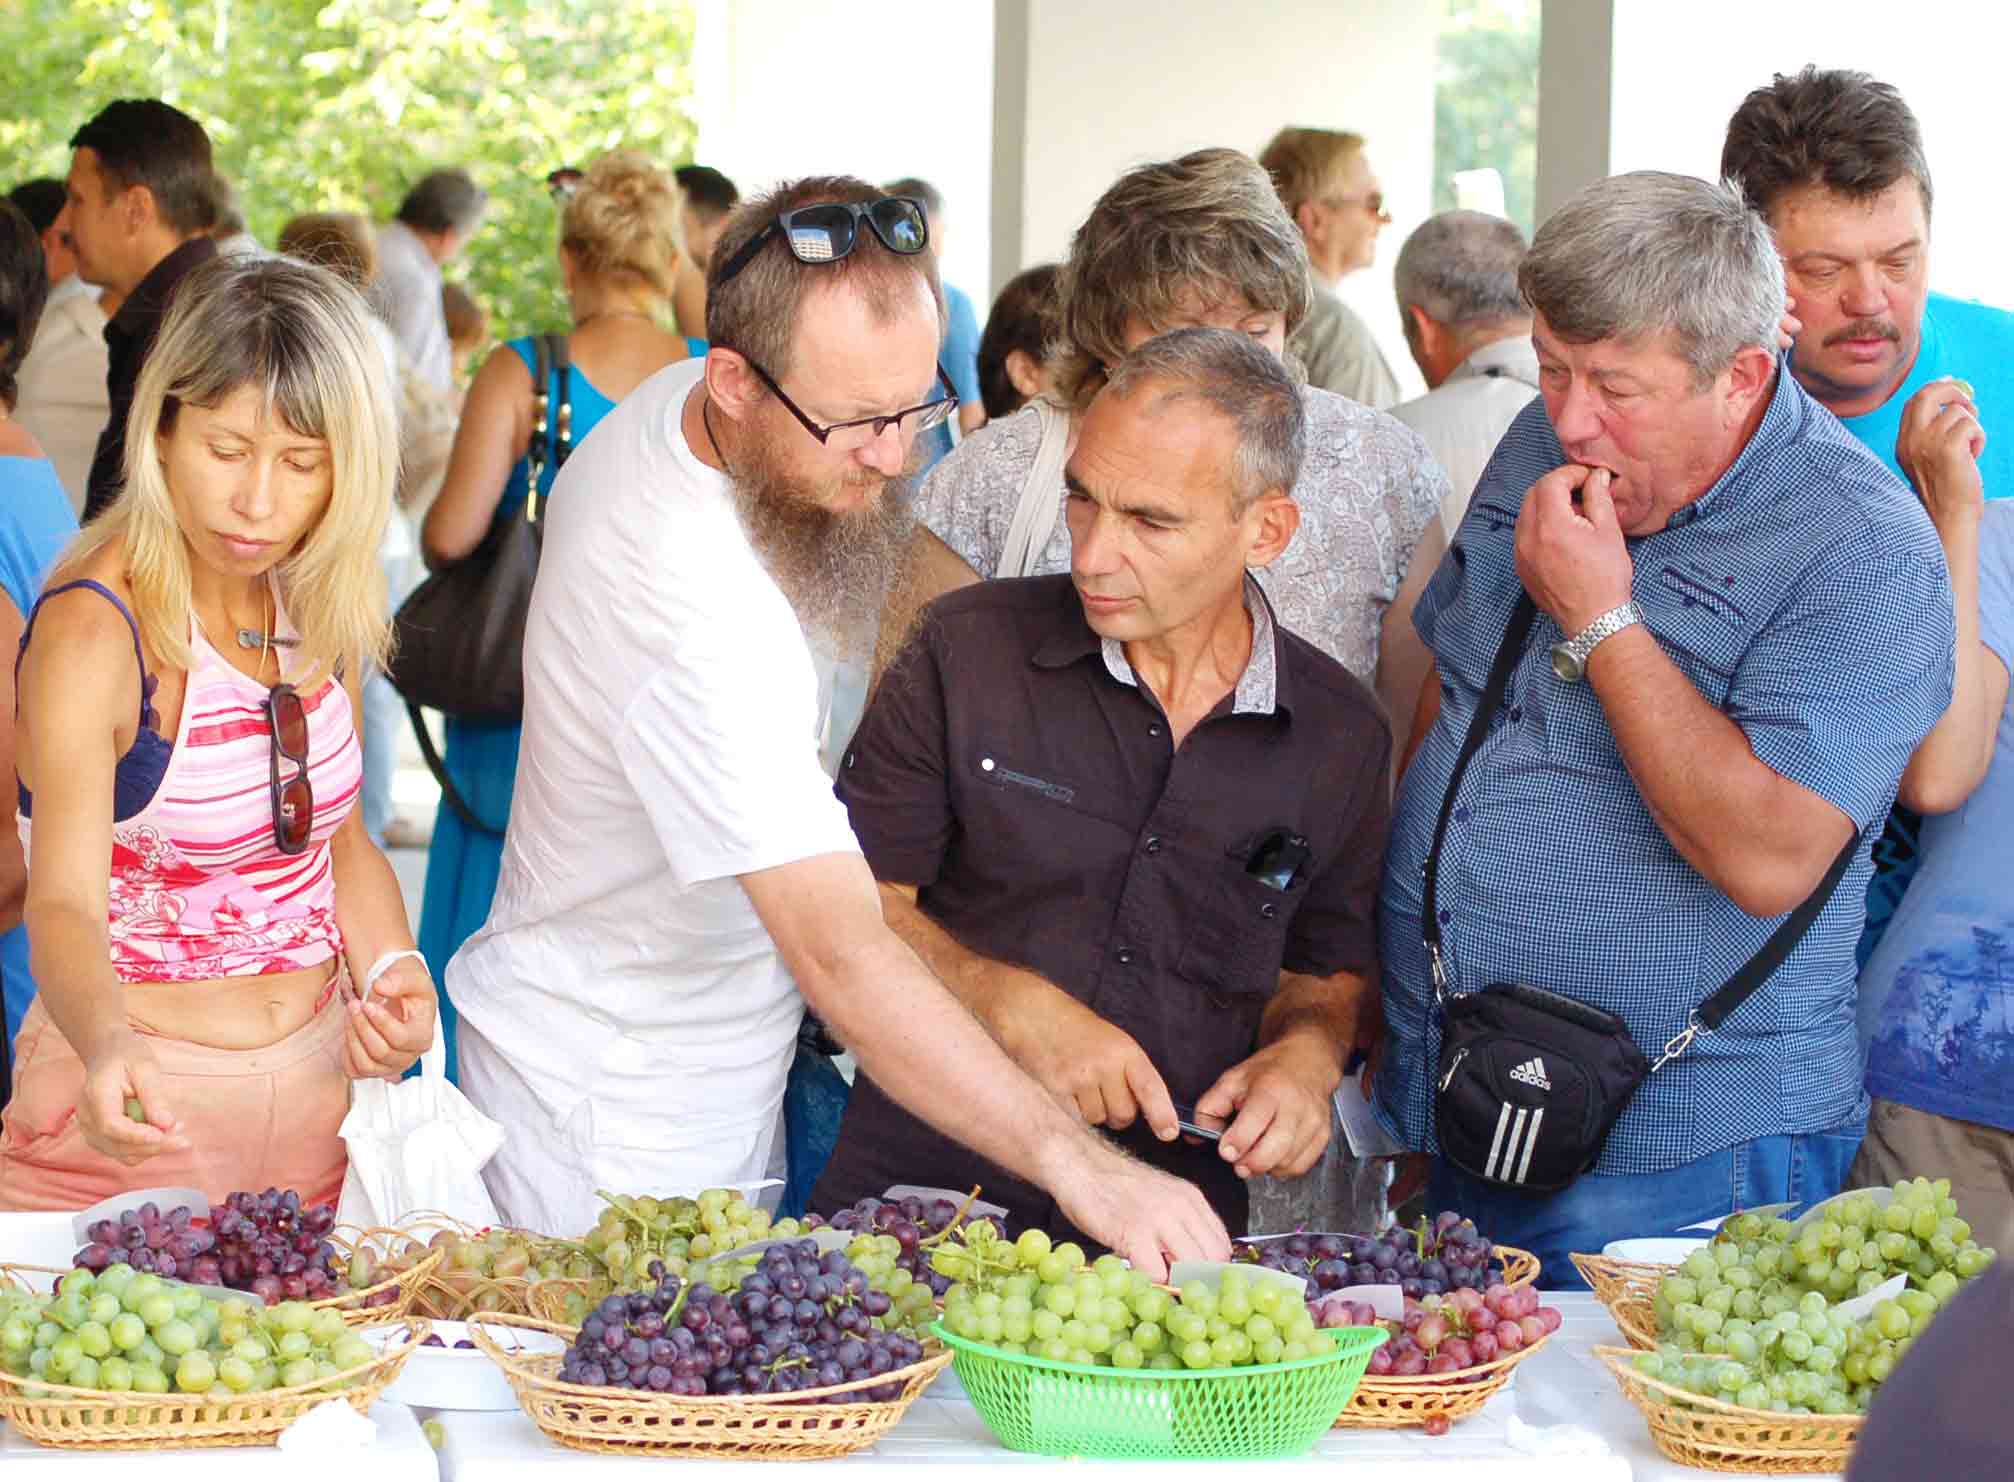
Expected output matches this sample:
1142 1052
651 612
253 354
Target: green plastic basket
1262 1410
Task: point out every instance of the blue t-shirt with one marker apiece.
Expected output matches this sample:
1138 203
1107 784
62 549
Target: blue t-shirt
1975 343
36 522
959 355
1554 872
1937 997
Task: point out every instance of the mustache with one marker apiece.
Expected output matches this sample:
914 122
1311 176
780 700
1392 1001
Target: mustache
1864 329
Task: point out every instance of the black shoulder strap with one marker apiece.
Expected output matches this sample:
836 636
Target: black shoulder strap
1732 994
1508 653
539 452
562 426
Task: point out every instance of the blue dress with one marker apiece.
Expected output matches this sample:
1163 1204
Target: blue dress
481 758
36 522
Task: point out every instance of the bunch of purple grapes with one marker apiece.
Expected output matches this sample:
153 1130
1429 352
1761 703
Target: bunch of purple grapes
800 1321
911 1221
267 1244
148 1240
1444 1255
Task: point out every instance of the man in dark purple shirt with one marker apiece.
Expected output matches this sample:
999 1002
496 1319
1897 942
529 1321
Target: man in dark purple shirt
1135 825
140 200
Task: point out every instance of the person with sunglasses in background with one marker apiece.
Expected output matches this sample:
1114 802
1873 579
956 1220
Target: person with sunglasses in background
1326 183
187 696
1134 823
679 881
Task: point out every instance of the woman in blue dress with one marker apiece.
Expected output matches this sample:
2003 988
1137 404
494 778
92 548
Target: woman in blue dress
36 522
618 250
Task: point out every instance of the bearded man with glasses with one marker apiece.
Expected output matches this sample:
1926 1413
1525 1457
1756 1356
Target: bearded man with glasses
678 879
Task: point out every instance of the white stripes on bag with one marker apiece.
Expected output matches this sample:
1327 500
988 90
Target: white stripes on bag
1517 1150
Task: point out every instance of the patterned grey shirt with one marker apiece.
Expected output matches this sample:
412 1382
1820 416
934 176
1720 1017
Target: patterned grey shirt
1367 490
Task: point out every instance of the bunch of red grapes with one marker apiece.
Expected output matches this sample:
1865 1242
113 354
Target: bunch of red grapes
265 1244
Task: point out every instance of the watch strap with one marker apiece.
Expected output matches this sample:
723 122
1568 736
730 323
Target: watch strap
1583 644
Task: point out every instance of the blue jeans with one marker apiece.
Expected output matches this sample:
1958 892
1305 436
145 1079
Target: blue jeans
1805 1166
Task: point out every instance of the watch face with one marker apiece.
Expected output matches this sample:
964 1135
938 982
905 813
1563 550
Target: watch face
1565 664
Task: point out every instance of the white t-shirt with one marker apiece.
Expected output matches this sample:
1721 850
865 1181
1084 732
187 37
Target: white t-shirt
625 1014
407 293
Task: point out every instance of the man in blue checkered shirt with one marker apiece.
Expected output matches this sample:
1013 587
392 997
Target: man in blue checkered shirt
1745 627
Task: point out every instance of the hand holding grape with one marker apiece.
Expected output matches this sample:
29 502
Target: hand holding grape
125 1070
394 1027
1145 1215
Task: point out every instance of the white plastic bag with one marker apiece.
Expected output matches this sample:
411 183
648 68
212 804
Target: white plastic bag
417 1145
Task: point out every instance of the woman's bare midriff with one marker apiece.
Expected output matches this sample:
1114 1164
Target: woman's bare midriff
230 1013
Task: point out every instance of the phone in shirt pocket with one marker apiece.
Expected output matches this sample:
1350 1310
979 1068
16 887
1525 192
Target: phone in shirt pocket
1238 936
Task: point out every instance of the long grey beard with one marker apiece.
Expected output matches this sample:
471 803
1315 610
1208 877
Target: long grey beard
837 571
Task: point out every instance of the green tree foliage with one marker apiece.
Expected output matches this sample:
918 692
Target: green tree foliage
342 104
1486 100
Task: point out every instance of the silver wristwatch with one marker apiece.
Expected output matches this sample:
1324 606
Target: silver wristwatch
1569 659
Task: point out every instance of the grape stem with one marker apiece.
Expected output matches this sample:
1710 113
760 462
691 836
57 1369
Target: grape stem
957 1220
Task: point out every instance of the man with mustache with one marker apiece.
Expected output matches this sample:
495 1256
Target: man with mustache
677 869
1739 629
1834 161
1130 820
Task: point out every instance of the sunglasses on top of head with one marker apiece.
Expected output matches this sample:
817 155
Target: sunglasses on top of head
829 231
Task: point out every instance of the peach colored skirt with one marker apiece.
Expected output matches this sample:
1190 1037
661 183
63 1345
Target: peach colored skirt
254 1118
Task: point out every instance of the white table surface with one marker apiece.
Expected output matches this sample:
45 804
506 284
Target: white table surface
400 1454
1563 1384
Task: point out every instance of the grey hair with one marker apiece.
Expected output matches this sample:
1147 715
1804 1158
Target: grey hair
1461 267
1239 380
1637 255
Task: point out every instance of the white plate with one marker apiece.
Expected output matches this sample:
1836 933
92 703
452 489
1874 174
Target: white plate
453 1378
1661 1250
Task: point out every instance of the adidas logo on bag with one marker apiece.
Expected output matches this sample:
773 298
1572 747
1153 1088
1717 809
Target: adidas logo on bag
1532 1073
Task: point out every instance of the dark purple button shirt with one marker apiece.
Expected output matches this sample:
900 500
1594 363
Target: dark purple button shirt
1011 769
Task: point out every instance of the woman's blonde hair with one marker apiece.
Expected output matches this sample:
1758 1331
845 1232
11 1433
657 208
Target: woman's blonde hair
302 338
623 222
1304 163
1207 224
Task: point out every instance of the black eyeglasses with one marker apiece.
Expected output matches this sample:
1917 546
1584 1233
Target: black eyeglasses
294 801
847 437
828 232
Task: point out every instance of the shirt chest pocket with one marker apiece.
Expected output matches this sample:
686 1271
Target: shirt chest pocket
1236 930
1702 632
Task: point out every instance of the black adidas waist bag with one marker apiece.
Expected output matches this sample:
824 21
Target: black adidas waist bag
1531 1082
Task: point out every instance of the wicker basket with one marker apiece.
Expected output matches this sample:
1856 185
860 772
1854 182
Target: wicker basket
98 1420
810 1425
1628 1289
547 1299
1697 1431
389 1300
1390 1401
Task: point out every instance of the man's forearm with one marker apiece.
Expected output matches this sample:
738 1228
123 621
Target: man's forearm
1324 1013
1953 758
937 1061
1755 834
970 977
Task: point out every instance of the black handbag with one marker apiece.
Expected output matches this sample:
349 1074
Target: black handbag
1531 1082
459 638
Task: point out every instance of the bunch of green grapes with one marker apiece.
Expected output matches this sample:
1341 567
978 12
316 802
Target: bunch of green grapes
1809 1358
880 1258
132 1332
632 1232
1049 1303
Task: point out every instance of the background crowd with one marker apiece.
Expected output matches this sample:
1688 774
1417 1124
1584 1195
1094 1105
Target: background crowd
1724 439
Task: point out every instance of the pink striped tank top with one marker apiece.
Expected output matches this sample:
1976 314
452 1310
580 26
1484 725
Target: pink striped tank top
199 889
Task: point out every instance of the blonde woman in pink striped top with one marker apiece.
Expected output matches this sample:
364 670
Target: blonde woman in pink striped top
187 696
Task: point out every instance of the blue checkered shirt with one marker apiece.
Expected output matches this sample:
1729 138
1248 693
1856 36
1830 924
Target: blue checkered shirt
1806 596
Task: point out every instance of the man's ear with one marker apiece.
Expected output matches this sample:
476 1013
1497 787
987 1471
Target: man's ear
138 208
1025 371
1271 521
1307 218
1748 380
730 384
